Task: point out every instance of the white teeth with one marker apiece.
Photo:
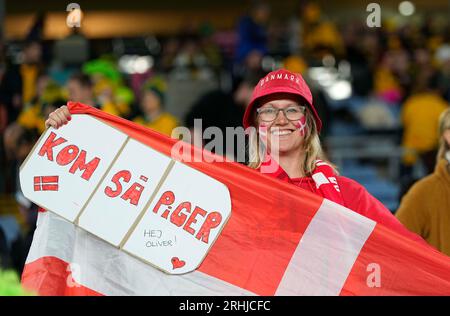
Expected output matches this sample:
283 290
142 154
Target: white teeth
280 133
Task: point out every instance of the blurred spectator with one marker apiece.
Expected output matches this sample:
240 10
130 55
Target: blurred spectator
152 107
80 89
320 35
111 95
361 51
18 248
103 68
29 70
123 100
31 119
420 115
49 96
21 245
220 109
424 209
393 77
252 31
18 85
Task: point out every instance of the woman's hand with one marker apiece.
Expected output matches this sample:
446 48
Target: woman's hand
58 118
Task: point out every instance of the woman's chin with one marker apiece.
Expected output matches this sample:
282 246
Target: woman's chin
282 149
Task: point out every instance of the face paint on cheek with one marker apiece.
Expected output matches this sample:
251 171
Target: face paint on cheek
301 125
262 131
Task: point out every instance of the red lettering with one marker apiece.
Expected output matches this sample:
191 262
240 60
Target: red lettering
167 198
67 155
81 164
212 220
192 220
166 213
123 174
179 218
50 142
133 193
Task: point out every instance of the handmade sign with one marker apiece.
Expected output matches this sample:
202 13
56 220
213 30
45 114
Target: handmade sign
126 193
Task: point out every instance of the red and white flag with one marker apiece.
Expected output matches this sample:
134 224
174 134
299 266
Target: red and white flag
279 240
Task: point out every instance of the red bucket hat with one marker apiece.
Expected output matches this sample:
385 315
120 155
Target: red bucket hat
280 81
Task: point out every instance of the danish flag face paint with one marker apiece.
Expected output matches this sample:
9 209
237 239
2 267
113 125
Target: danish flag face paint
301 125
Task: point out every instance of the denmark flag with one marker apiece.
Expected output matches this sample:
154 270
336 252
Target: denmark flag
279 240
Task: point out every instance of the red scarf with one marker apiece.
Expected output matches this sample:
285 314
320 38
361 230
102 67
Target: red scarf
324 177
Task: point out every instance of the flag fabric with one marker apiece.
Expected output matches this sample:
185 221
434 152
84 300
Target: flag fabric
279 240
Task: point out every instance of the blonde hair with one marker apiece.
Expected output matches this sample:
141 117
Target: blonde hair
311 146
444 124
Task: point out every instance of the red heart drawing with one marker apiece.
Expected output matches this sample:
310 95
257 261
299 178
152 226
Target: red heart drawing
177 263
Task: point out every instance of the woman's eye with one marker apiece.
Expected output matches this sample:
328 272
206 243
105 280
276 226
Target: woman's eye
269 111
292 110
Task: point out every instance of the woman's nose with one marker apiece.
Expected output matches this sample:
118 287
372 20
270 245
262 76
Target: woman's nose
281 118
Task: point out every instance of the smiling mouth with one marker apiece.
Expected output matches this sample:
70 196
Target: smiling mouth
281 132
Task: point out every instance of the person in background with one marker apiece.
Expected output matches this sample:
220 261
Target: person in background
19 247
30 69
252 31
34 113
419 116
18 83
387 85
221 109
108 87
80 89
425 209
31 120
152 107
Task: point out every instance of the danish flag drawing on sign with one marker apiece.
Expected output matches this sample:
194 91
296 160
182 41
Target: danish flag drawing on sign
46 183
279 240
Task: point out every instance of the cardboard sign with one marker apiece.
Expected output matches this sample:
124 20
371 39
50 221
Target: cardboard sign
66 165
124 192
185 215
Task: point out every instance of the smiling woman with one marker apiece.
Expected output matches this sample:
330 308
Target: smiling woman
286 146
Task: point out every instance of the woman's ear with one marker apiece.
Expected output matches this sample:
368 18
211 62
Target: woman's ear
446 136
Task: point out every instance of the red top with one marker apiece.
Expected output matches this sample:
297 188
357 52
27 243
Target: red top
357 199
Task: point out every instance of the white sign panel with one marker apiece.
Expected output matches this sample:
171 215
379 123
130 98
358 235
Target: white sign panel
126 193
182 222
67 164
